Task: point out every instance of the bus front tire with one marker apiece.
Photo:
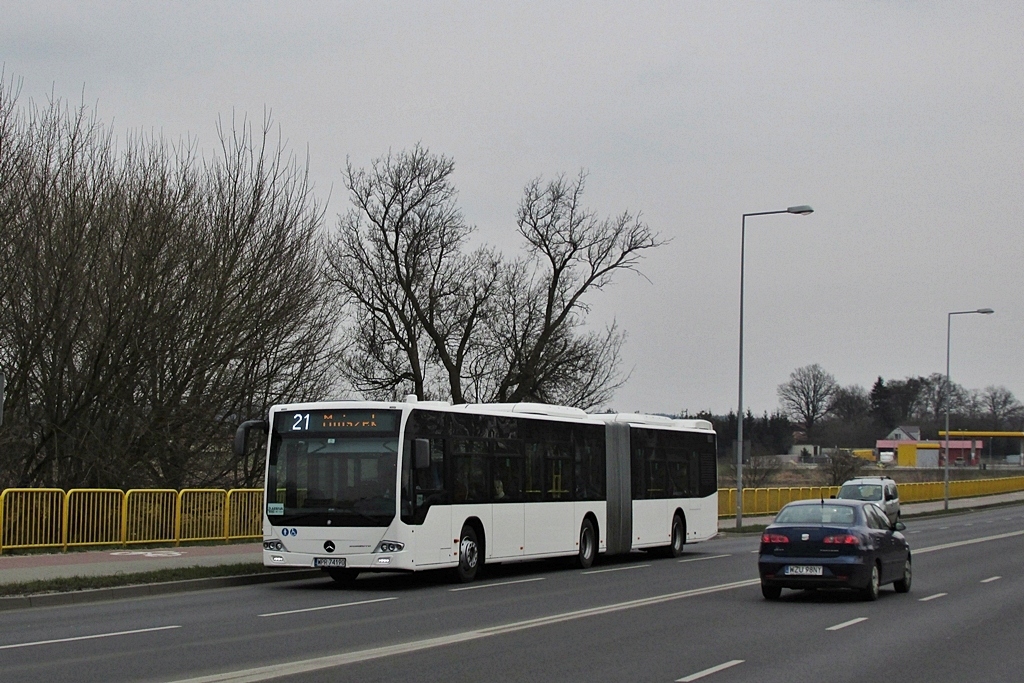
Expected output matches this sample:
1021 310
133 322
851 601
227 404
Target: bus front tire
469 555
588 545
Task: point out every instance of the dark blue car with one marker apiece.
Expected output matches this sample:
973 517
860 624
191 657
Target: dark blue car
833 544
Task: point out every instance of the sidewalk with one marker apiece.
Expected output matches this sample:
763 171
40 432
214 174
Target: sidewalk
116 560
906 510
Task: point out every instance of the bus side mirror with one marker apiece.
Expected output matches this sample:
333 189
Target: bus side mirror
421 448
242 434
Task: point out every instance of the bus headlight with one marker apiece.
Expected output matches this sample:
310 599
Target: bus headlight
389 547
274 544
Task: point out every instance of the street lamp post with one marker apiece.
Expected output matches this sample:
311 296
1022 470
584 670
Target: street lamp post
801 210
945 473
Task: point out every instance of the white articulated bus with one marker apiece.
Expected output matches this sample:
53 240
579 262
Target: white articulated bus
355 486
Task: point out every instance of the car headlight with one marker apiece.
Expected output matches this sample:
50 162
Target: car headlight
389 547
274 544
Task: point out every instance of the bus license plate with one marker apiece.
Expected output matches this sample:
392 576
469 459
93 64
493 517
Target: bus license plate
803 570
328 561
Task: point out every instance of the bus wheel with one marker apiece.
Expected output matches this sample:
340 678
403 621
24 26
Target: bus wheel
588 545
344 577
675 548
469 555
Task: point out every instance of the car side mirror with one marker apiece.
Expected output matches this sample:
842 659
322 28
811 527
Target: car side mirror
421 448
899 526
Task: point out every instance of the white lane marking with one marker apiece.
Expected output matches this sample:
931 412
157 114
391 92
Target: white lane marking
616 569
317 609
932 597
263 673
991 579
754 552
151 553
969 524
492 585
843 625
708 672
98 635
709 557
943 527
916 531
972 541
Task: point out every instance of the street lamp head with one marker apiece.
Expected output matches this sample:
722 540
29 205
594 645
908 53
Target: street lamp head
985 311
803 209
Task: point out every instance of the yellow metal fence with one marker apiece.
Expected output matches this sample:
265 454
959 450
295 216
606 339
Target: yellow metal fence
768 501
53 518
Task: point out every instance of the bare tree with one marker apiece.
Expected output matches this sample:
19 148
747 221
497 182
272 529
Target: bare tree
842 465
152 301
1000 407
850 404
807 396
423 315
573 253
415 299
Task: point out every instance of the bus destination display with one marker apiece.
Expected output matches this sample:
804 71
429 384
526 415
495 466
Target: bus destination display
316 421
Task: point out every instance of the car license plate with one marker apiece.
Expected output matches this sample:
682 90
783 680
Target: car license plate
328 561
803 570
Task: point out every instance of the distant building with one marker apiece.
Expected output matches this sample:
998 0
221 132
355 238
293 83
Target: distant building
913 451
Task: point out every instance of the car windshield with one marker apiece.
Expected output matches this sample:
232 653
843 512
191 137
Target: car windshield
816 514
861 492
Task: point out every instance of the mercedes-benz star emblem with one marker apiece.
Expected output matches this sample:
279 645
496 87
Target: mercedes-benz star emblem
329 546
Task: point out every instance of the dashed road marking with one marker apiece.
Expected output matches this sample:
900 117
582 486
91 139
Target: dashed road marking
323 607
93 637
991 579
616 569
932 597
709 557
494 585
708 672
843 625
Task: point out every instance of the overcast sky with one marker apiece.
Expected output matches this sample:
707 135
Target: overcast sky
900 122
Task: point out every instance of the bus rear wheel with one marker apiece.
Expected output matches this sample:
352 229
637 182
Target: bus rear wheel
675 548
469 555
588 545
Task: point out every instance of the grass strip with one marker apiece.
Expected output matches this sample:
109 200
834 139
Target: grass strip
80 583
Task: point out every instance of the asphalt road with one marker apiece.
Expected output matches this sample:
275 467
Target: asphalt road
639 618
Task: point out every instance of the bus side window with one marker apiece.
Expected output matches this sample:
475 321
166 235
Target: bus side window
507 471
534 471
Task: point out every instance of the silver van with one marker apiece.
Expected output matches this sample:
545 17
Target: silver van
881 491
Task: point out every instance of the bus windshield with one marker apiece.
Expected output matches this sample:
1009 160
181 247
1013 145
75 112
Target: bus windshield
343 480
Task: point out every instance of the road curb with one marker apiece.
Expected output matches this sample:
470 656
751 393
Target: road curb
143 590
